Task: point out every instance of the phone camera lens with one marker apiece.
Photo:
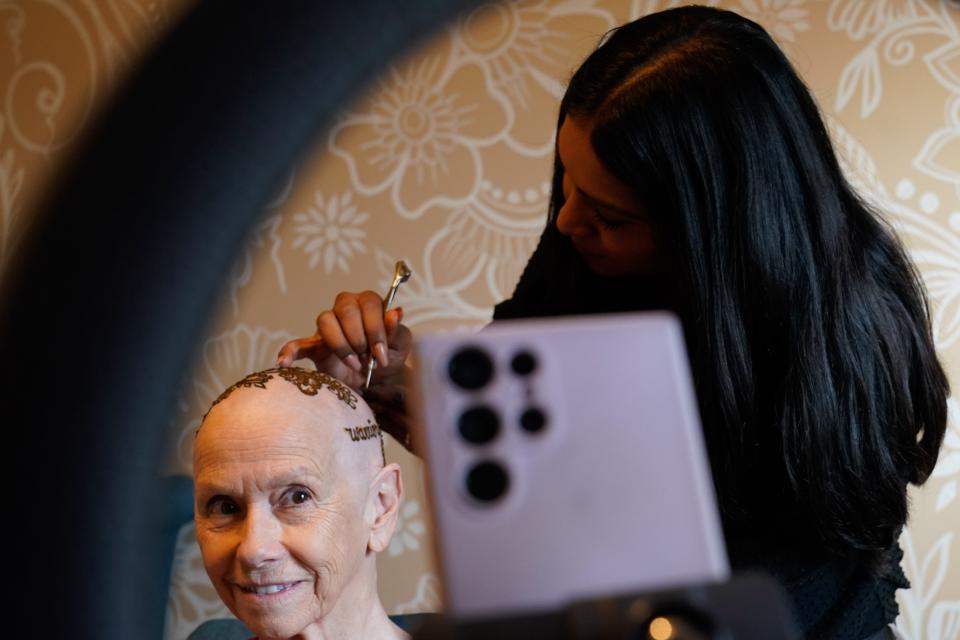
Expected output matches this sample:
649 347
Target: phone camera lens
533 420
524 363
479 425
487 481
470 368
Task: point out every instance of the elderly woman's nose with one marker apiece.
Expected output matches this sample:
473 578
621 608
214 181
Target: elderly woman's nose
261 538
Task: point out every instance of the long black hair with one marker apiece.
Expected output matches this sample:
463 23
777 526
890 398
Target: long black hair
807 325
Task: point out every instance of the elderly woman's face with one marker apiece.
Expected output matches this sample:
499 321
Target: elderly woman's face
280 528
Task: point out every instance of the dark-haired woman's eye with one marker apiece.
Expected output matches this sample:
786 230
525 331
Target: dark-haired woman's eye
606 223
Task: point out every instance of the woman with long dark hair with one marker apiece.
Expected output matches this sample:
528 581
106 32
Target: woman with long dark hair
694 173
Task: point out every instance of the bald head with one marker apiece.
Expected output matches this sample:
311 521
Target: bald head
301 404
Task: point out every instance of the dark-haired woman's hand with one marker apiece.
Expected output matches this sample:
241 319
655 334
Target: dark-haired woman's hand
355 327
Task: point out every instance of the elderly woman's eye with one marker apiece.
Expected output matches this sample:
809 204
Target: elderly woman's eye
296 496
222 507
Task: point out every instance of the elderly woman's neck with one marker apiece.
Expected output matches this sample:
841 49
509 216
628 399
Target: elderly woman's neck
357 615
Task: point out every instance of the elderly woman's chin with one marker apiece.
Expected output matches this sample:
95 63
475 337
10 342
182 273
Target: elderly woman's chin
275 615
280 620
273 626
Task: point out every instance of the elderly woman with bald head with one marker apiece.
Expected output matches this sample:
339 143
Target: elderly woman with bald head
293 502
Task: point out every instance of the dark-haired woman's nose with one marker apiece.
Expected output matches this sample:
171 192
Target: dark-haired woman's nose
574 219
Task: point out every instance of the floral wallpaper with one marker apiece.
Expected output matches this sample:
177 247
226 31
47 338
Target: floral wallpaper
445 162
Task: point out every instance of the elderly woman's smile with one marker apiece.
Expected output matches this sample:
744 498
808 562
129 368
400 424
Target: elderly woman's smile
268 589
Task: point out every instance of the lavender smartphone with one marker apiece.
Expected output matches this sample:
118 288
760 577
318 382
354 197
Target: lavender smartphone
565 460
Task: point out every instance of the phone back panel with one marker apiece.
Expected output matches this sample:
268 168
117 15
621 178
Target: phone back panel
613 494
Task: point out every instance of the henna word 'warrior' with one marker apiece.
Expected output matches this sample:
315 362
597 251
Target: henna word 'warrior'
363 433
368 432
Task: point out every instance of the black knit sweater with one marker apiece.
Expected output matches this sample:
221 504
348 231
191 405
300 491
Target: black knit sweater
843 596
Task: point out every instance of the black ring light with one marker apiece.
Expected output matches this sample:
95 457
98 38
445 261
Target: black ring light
103 308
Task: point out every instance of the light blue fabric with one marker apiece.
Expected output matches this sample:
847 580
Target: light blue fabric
221 629
231 629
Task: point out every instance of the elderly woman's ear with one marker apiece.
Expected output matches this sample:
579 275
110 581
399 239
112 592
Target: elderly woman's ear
383 507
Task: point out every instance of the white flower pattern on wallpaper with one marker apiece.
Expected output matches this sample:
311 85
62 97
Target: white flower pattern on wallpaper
242 270
525 52
935 248
11 181
511 50
857 164
940 155
410 528
860 18
944 61
948 465
921 616
783 18
331 230
192 598
490 238
426 597
640 8
419 133
423 301
894 27
87 46
266 230
13 26
936 251
944 620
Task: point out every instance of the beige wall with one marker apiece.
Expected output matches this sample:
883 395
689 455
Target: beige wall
445 163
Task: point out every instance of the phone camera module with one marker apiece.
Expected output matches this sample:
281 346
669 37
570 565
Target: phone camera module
523 363
479 425
470 368
533 420
487 481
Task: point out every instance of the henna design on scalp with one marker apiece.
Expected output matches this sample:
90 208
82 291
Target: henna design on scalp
309 383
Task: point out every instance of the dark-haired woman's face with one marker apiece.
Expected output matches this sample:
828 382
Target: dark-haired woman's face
607 224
